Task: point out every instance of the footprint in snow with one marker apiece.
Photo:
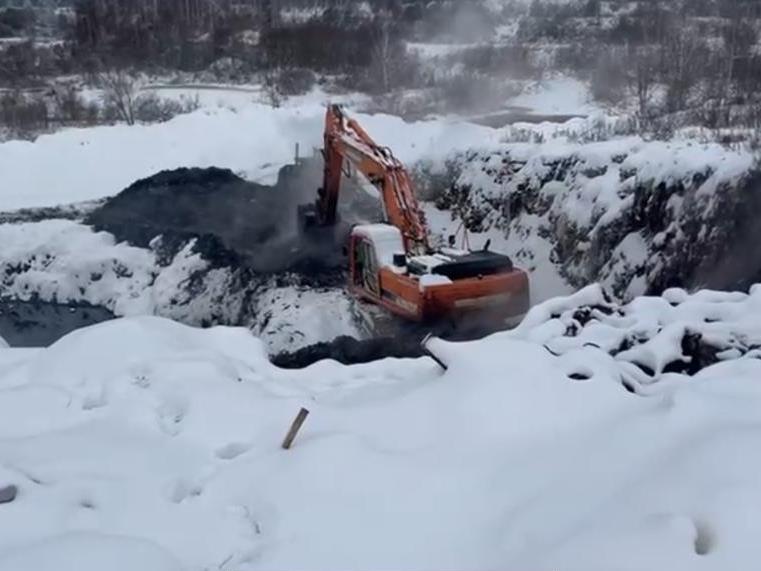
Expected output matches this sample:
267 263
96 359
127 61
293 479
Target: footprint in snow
170 417
232 450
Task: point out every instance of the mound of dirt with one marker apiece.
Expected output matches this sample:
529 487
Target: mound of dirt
249 224
350 351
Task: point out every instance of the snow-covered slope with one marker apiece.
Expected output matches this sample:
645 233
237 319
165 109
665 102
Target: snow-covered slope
148 442
67 262
638 216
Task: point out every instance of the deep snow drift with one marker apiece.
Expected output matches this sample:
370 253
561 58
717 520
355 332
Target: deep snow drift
142 443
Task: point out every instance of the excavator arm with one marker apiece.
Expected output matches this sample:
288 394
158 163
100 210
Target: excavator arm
347 143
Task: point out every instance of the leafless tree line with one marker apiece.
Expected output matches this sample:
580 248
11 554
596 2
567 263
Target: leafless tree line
682 71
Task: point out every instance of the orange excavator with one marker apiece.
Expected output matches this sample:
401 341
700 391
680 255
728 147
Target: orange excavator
392 264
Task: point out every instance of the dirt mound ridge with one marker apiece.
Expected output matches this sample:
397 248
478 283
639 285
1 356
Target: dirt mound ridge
242 222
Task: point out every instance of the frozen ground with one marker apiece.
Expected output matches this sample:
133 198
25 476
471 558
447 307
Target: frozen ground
142 443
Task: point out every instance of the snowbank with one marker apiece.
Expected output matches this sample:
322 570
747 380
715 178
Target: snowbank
166 439
75 165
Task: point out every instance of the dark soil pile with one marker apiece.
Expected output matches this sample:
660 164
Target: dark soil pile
238 222
350 351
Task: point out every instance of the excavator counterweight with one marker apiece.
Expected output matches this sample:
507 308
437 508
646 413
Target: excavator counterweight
392 264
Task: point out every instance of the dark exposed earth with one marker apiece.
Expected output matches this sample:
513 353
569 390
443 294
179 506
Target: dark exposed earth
252 225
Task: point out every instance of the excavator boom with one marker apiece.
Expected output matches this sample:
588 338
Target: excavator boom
347 143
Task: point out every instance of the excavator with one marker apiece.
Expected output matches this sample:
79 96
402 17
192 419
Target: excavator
393 264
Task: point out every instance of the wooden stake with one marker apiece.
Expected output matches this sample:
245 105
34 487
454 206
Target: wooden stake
295 427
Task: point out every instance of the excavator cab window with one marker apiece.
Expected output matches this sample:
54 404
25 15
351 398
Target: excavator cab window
366 267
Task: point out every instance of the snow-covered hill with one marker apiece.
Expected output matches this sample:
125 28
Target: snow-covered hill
142 443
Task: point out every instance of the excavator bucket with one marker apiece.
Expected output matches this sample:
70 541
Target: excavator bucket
307 218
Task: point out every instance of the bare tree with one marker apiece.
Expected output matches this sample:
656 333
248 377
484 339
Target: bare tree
383 50
682 62
645 70
739 38
119 93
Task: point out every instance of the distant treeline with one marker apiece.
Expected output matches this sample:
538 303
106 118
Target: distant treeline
698 58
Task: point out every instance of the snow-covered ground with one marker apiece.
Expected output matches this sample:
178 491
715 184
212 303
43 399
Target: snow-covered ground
239 97
81 164
557 96
144 444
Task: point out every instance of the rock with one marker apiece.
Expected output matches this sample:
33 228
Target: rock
8 494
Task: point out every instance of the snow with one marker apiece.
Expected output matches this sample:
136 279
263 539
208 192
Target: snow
557 96
387 240
89 551
65 261
526 247
237 98
432 280
291 318
576 218
75 165
142 443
